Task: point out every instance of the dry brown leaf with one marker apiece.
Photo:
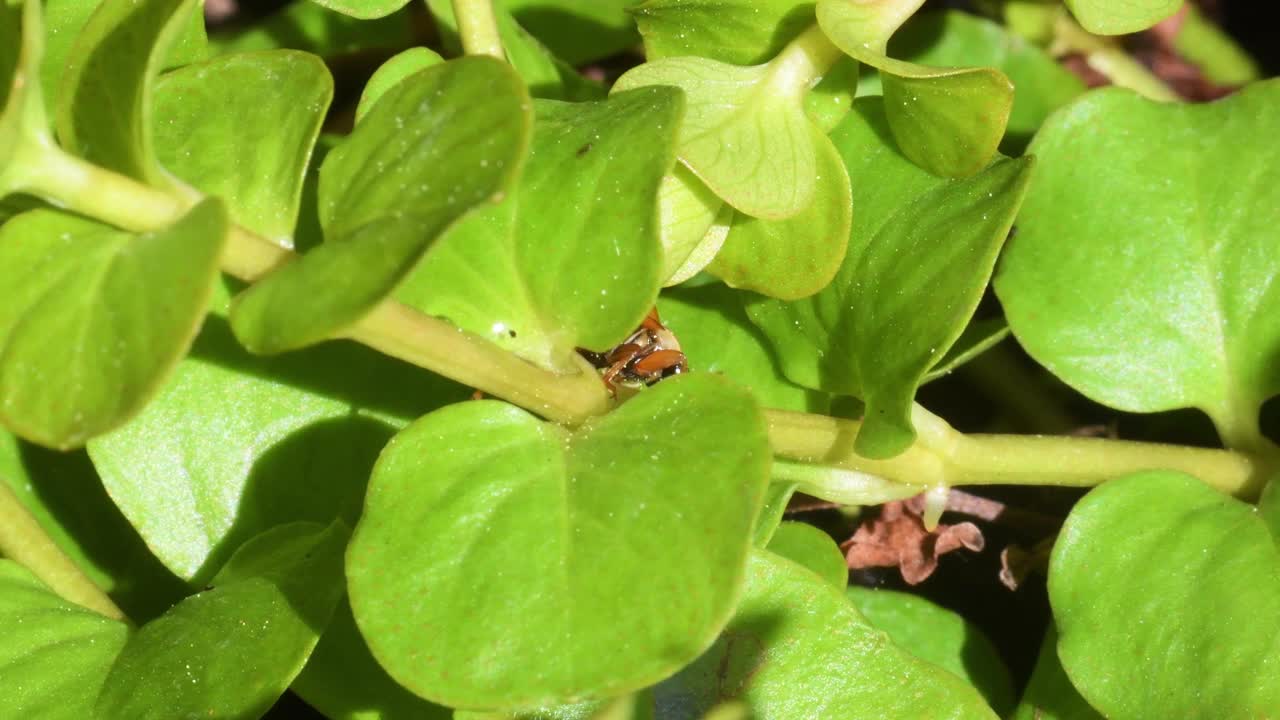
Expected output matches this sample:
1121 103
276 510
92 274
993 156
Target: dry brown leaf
897 538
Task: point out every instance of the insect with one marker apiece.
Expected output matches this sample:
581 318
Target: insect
648 355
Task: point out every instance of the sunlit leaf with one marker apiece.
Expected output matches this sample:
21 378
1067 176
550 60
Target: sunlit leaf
532 540
119 311
1152 296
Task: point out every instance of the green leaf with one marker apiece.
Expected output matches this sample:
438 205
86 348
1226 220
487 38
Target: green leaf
947 120
920 254
363 9
391 72
812 548
254 158
65 19
575 31
745 132
64 494
1167 299
1049 694
796 649
448 139
717 337
118 310
532 541
1106 17
1159 565
958 39
941 637
104 106
687 211
546 75
54 656
796 257
297 437
306 26
570 259
743 32
738 32
229 652
343 681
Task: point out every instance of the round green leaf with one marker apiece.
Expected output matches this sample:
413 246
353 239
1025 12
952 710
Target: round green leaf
1107 17
297 437
104 106
118 310
1153 296
391 72
806 545
229 652
1166 593
255 157
939 636
570 259
745 132
797 649
364 9
920 253
54 656
441 142
490 538
959 39
947 120
796 257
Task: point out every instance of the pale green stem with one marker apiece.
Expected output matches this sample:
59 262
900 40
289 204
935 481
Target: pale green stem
1109 59
941 456
478 27
847 487
803 62
25 542
391 328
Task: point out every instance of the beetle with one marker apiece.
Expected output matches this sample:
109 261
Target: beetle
648 355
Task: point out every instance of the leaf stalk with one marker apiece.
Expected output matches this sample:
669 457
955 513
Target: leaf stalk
478 28
24 541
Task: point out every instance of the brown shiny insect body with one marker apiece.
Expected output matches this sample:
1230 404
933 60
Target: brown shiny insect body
648 355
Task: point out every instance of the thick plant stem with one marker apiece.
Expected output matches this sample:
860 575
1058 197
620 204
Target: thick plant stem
942 456
391 328
25 542
478 27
